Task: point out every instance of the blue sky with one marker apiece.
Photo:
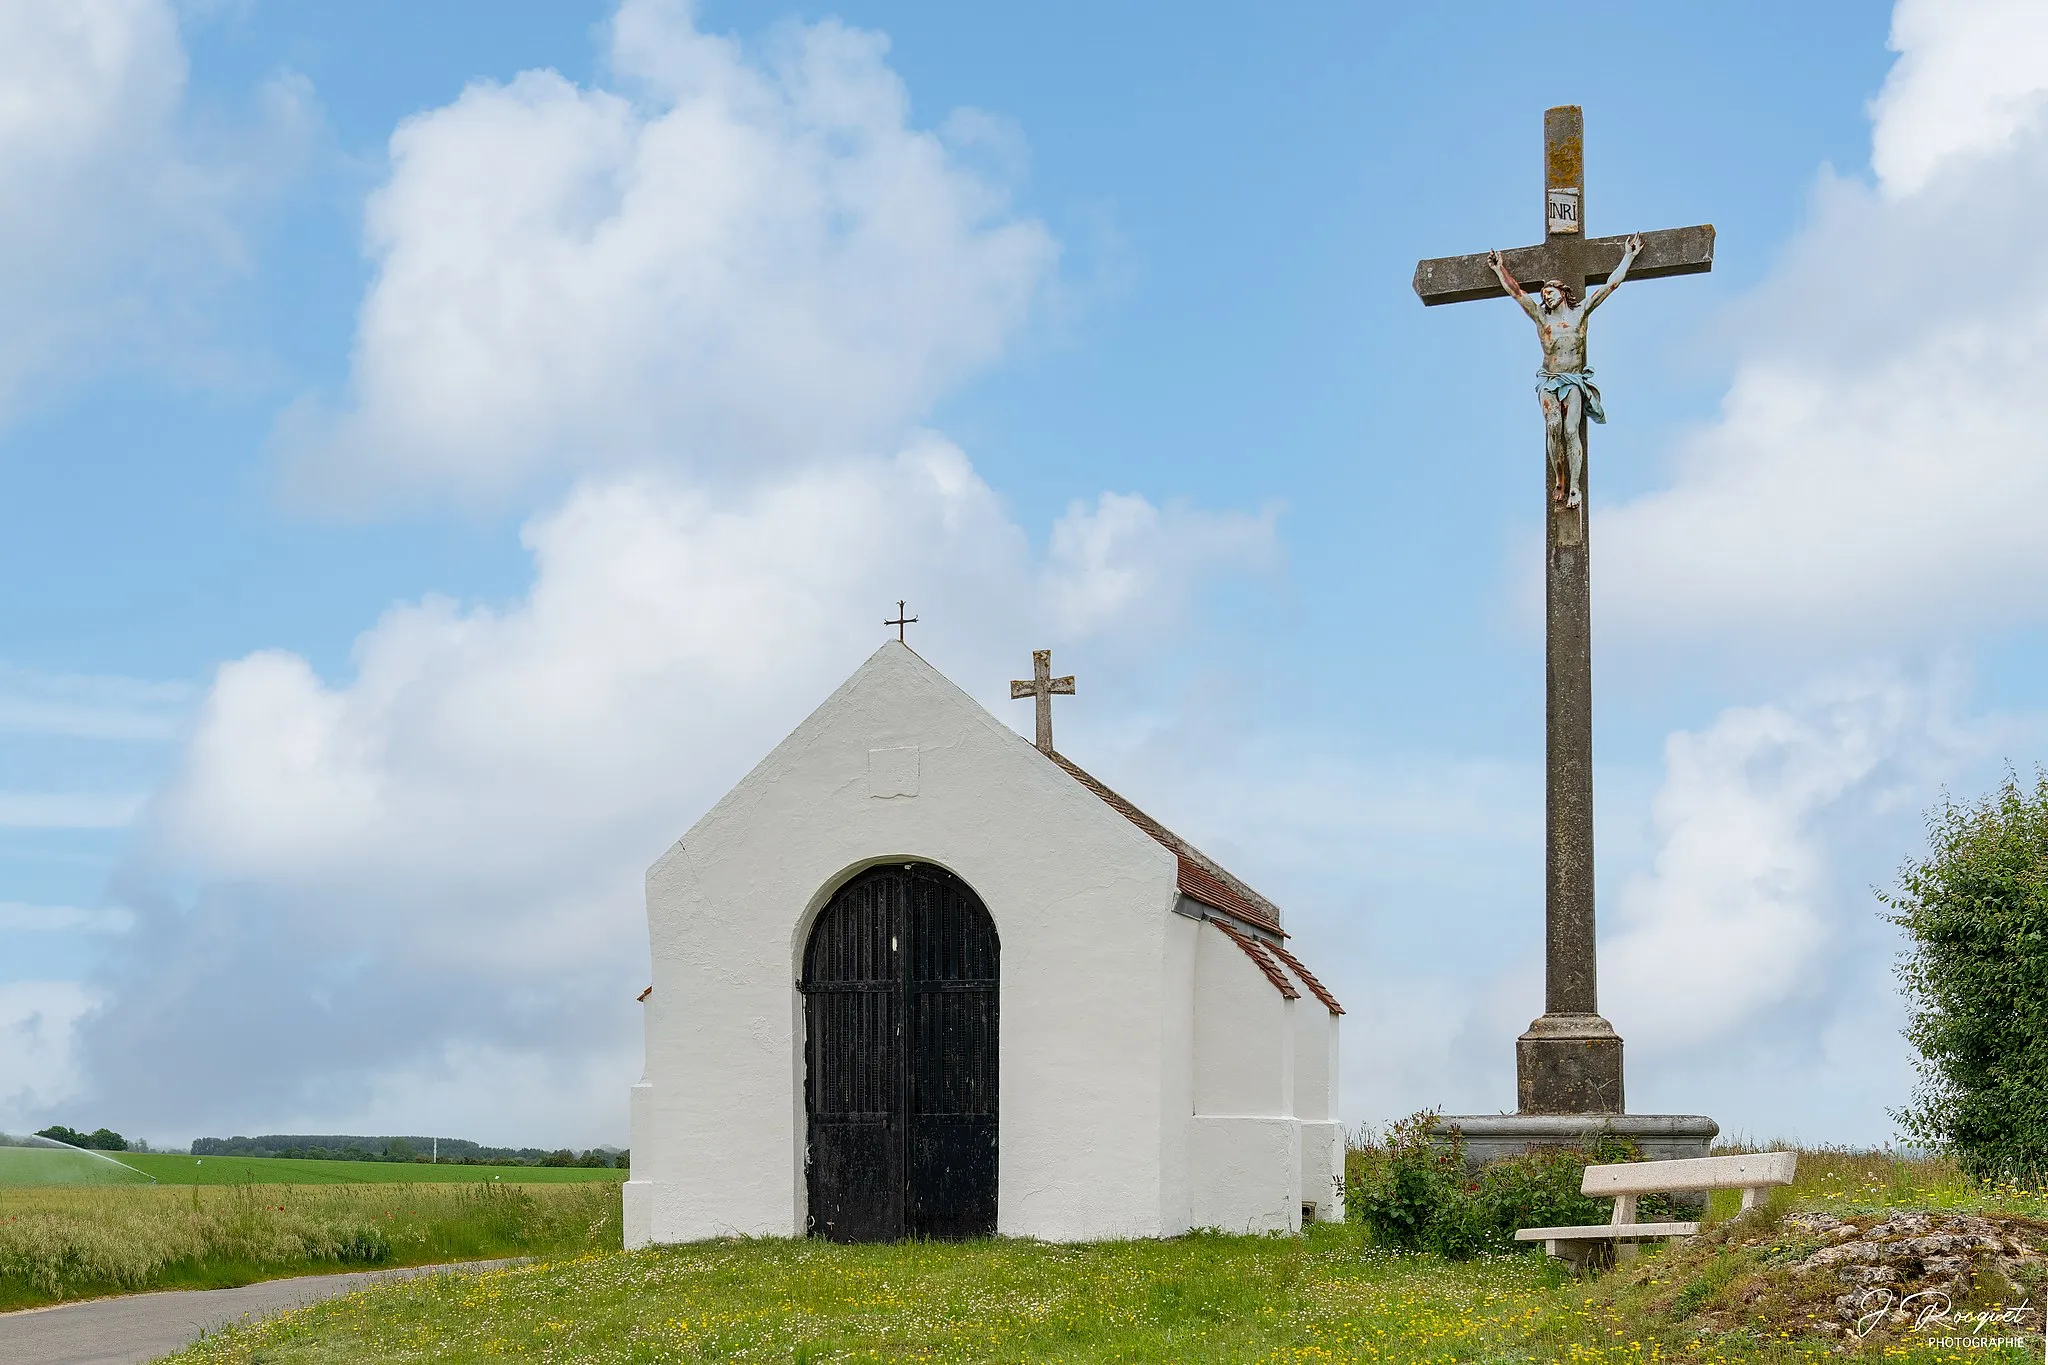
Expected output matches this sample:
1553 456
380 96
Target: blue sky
434 484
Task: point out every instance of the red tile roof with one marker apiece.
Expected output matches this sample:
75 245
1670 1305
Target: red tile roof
1256 951
1201 879
1308 978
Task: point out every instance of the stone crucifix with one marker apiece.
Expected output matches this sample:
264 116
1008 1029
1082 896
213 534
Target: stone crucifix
1044 686
1569 1062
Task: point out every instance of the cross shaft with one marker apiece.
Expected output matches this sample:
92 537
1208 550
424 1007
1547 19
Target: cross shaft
1569 1062
1043 686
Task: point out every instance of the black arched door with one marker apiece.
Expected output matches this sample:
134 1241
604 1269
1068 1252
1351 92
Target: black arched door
900 994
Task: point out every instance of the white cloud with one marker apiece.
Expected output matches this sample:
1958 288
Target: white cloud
1970 76
117 216
732 264
1759 817
38 1039
1876 472
458 832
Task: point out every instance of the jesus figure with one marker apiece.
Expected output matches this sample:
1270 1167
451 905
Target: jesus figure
1565 383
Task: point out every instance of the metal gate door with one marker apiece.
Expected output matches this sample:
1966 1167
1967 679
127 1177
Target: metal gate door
900 994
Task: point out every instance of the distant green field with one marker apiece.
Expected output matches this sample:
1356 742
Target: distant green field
271 1170
21 1166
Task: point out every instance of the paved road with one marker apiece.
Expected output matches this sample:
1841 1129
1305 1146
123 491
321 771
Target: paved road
140 1327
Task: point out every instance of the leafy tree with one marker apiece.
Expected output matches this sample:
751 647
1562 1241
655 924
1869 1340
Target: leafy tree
100 1139
1976 978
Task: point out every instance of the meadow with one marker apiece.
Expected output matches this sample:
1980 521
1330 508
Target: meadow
168 1169
1329 1295
58 1243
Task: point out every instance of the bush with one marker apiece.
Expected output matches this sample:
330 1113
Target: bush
1976 979
1413 1191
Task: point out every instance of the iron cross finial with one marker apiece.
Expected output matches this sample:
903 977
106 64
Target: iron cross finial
1044 686
900 622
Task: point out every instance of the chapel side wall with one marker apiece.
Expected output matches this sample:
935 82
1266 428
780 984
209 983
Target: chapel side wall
1244 1140
1315 1103
1066 880
1177 1072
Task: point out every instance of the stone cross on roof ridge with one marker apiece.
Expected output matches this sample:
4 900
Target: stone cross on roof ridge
1043 686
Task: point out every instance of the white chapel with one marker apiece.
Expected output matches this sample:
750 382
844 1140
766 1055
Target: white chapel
917 977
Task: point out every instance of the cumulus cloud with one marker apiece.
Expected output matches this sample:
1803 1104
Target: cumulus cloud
445 850
117 213
732 263
1969 78
715 300
1759 816
1875 472
38 1022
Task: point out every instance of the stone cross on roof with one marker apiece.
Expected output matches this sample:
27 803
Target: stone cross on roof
1044 686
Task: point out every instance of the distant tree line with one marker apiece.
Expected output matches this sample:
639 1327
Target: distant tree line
98 1140
453 1151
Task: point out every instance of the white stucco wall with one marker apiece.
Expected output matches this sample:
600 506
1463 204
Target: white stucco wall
1316 1102
639 1189
1082 903
1244 1141
1322 1169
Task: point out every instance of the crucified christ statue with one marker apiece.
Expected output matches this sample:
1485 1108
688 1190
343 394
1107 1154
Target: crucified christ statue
1565 383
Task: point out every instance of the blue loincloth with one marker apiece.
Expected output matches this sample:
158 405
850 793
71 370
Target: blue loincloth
1582 380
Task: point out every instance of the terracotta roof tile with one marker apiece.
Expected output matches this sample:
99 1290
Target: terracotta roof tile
1201 879
1256 951
1308 978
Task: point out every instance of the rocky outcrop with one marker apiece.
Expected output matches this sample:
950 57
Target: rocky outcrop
1921 1271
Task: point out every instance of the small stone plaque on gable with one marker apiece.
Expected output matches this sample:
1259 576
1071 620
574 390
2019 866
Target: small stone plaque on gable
892 772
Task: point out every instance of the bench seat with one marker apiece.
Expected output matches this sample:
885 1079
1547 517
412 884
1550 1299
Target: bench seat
1752 1173
1608 1232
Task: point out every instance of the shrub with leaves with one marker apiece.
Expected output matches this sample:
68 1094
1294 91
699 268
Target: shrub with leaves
1976 978
1413 1190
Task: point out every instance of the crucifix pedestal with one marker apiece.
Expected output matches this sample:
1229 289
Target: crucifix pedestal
1568 1064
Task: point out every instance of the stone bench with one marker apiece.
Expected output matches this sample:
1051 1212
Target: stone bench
1753 1174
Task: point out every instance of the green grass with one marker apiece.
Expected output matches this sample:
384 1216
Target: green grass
62 1166
58 1244
271 1170
1327 1296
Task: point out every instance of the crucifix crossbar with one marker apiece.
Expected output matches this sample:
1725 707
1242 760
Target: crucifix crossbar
1565 253
1044 687
1569 1062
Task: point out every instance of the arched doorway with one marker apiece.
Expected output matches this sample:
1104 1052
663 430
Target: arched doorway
900 994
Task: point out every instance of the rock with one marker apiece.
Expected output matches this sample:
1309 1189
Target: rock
1871 1264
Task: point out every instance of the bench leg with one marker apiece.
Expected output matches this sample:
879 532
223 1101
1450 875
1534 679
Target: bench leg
1624 1214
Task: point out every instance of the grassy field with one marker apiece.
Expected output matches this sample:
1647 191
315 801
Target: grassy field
58 1244
1327 1296
270 1170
